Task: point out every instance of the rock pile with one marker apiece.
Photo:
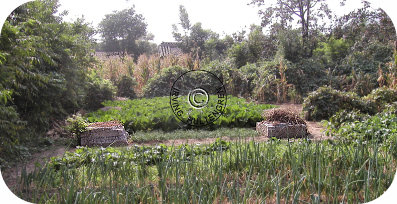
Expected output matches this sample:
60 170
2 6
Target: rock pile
281 123
104 134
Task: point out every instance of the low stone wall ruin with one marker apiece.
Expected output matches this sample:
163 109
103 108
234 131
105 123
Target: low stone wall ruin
104 134
281 130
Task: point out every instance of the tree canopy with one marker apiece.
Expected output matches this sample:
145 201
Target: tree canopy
122 30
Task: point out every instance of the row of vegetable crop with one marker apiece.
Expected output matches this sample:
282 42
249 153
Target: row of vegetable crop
156 114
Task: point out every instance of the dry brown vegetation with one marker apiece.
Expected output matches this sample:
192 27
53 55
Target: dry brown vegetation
115 67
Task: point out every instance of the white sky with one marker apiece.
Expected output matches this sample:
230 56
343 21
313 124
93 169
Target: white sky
221 16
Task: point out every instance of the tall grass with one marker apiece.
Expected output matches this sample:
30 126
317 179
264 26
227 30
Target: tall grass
276 171
115 67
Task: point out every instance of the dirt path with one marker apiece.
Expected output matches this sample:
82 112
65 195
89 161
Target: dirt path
10 175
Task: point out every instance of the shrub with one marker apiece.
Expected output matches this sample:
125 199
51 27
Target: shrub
160 85
382 96
345 116
239 52
76 125
125 87
11 129
325 102
98 90
333 50
381 127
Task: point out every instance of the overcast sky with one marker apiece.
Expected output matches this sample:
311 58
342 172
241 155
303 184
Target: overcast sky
221 16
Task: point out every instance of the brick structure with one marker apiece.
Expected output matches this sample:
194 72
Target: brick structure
281 130
104 134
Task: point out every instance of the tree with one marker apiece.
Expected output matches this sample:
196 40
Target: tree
43 62
371 34
248 50
185 24
193 38
122 30
256 43
283 12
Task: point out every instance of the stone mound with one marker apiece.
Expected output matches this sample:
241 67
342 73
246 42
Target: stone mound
281 130
104 134
281 123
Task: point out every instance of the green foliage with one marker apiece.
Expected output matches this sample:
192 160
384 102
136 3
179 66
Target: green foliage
273 170
125 87
368 59
215 48
289 45
98 91
121 31
333 50
43 62
11 128
249 50
283 14
239 53
193 38
381 127
306 75
138 154
76 125
160 84
156 114
345 116
325 102
382 96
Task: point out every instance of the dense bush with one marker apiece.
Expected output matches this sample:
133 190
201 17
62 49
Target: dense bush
332 51
325 102
156 113
345 116
381 127
125 87
382 96
98 91
43 63
161 84
11 128
76 125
